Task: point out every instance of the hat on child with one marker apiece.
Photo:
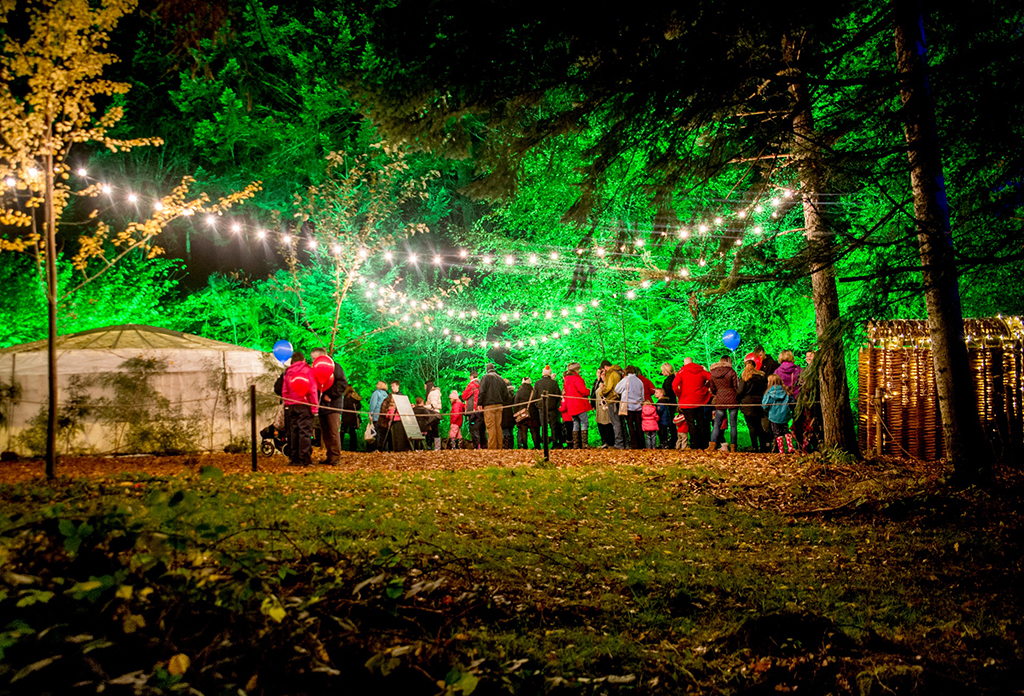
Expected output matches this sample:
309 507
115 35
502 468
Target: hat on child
453 395
547 371
526 380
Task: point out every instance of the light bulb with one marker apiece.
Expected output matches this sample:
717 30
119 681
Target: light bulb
631 295
486 260
12 182
718 221
337 250
579 309
286 239
683 234
211 220
236 228
533 259
645 284
132 198
600 251
594 303
554 255
742 214
261 234
105 188
548 314
388 255
703 228
311 244
82 172
437 260
565 312
462 253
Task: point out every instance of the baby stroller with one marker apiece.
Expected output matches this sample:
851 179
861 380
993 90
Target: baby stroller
274 439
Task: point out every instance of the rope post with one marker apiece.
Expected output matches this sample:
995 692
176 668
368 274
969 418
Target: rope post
544 424
880 421
254 447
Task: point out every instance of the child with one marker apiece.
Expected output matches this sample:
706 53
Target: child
455 422
665 409
682 432
649 416
776 402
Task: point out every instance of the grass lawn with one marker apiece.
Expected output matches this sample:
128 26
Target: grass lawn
603 572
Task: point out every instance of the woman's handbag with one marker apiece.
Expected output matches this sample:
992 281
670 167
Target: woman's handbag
522 414
370 434
623 408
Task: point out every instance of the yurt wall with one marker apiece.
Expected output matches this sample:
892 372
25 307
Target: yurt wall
897 396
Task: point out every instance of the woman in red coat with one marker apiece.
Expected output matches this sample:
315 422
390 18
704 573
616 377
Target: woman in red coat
576 400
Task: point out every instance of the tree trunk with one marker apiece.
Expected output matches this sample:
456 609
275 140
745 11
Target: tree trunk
957 405
837 418
51 327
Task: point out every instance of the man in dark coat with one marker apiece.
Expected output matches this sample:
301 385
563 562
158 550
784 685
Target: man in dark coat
668 410
330 418
531 424
768 364
554 418
493 396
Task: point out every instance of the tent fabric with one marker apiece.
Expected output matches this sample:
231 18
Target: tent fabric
206 381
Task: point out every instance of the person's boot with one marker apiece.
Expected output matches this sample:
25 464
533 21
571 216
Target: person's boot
576 440
789 443
779 442
732 448
583 440
712 447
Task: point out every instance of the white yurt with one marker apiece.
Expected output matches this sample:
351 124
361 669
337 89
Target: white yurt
133 389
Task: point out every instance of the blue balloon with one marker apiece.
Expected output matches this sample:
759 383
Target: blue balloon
731 339
283 350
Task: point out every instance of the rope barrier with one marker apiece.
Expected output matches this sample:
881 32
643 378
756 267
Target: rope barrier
516 405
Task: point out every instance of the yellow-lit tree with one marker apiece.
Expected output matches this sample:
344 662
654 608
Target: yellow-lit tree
51 91
354 214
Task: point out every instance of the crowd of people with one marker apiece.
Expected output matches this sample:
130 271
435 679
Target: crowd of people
694 407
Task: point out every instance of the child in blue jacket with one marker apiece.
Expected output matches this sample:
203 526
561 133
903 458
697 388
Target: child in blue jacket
666 410
776 402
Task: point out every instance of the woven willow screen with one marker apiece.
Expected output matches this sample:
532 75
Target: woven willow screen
898 362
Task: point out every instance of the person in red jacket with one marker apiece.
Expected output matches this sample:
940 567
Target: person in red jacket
576 402
455 421
692 387
648 386
474 415
301 398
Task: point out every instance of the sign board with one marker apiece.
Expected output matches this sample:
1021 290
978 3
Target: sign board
405 412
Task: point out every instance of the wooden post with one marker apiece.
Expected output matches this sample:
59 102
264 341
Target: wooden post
544 423
254 447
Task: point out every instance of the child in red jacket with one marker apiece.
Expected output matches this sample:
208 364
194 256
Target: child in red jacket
455 421
649 420
683 432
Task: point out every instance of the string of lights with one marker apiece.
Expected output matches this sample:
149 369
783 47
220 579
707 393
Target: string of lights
631 252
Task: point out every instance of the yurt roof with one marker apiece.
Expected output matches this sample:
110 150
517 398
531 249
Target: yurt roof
914 332
127 336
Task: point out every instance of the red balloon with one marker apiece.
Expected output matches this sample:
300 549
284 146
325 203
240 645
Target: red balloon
325 384
755 358
322 367
300 385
